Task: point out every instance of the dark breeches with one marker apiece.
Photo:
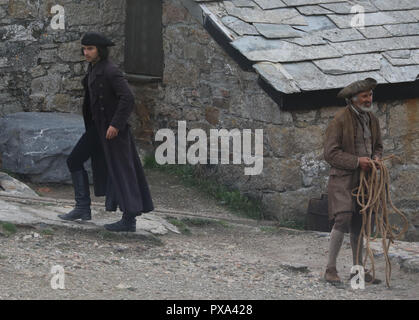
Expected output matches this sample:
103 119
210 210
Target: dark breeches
88 144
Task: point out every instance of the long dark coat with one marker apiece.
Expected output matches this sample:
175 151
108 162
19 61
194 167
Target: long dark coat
112 102
339 152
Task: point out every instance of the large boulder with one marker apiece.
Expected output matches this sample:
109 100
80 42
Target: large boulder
37 144
13 187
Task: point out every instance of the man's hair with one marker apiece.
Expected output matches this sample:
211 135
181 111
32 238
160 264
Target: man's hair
102 51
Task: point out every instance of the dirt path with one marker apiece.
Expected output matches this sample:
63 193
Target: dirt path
214 261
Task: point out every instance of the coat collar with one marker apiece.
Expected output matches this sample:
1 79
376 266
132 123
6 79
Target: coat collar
96 70
350 127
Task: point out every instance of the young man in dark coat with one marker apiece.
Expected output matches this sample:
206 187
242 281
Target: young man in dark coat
116 166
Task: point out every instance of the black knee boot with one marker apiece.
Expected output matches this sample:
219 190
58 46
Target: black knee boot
82 197
111 202
126 224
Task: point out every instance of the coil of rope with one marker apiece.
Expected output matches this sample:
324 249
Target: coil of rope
373 195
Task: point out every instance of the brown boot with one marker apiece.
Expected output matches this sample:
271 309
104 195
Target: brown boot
331 275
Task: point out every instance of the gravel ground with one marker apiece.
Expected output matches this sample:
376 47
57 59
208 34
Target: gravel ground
213 262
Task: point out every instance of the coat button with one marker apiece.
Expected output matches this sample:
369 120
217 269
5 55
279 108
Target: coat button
101 85
102 108
101 97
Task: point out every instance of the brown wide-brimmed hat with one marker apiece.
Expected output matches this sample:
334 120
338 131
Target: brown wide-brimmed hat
356 87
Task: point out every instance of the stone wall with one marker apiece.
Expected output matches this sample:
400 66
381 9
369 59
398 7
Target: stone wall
41 68
205 87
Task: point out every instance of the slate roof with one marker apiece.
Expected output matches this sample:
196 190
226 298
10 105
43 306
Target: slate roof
309 45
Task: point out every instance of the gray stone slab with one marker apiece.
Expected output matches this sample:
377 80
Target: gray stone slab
374 19
306 75
350 64
405 29
399 54
402 57
308 40
257 15
316 23
229 20
408 42
414 13
16 32
33 214
270 4
340 35
377 45
244 3
308 2
309 78
238 26
261 49
38 144
374 32
313 10
395 74
396 5
346 7
12 186
276 75
276 31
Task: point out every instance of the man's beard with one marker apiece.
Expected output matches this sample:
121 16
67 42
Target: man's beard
364 107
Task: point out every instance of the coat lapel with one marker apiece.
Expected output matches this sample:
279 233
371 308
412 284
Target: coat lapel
374 131
349 131
96 73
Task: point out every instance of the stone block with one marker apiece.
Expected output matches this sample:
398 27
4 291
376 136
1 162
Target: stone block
38 144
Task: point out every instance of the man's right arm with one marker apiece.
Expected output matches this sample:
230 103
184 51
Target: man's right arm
333 152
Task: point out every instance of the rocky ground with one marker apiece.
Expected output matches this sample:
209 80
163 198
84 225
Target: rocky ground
212 259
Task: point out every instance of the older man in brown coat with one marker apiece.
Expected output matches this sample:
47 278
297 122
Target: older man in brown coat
352 138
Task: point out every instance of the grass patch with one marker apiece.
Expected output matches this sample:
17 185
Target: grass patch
183 223
8 227
202 222
180 225
232 199
276 230
108 235
289 224
292 224
47 232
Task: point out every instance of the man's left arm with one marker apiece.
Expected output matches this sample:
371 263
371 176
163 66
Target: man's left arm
125 97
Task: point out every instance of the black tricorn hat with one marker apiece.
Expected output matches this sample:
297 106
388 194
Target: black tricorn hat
96 39
356 87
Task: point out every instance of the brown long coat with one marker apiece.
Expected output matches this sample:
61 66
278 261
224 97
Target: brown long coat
112 102
339 152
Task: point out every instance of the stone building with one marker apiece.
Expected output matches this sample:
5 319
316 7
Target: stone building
275 65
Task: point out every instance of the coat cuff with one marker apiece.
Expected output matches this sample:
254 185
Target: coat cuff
117 125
